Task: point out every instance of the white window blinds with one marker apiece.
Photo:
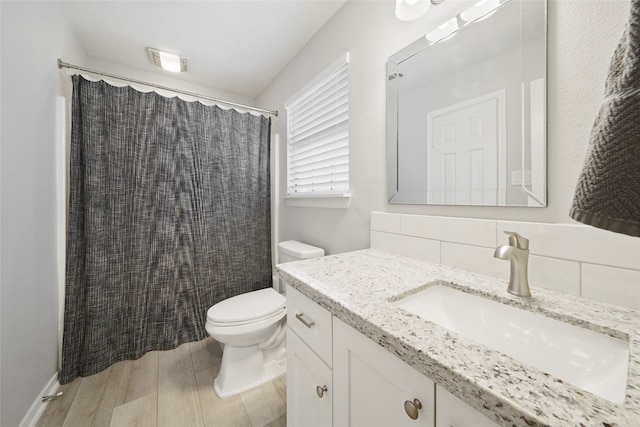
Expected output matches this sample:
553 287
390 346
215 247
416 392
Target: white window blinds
318 137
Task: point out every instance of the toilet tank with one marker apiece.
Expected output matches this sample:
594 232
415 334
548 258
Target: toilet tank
292 250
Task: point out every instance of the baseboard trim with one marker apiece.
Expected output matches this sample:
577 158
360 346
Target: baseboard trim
38 406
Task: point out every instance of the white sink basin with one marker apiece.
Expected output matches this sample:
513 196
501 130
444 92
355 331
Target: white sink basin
592 361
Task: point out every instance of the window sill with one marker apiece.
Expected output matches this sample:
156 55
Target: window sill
332 201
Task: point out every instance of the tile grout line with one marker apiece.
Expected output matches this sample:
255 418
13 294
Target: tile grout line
195 382
115 400
193 369
157 388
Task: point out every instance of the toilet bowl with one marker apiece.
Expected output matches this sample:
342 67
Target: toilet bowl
251 327
244 324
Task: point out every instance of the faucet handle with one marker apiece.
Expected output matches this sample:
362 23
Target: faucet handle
517 240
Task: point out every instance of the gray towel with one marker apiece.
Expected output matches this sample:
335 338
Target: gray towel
608 191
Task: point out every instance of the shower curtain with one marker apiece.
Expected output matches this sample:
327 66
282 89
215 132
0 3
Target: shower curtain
169 213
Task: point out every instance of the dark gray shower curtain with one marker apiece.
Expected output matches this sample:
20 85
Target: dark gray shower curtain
169 213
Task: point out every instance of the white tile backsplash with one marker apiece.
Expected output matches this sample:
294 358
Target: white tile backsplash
477 232
474 258
424 249
611 285
555 274
571 258
385 222
578 242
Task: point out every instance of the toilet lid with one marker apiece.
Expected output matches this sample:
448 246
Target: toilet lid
249 307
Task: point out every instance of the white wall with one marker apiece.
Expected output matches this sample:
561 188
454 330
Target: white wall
34 35
582 35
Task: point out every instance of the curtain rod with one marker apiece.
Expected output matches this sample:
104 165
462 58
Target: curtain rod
196 95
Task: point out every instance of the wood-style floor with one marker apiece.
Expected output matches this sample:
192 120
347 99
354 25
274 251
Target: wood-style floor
165 389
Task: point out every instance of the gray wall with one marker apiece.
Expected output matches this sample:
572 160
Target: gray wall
582 35
34 35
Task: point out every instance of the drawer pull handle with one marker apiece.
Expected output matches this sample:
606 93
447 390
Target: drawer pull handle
412 408
308 324
321 391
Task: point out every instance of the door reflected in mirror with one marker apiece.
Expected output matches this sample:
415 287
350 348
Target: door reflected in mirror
467 110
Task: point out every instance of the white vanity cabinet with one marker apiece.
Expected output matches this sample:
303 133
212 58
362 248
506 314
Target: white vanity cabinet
309 357
453 412
372 387
339 377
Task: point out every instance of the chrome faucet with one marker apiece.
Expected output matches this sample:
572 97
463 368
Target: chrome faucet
517 252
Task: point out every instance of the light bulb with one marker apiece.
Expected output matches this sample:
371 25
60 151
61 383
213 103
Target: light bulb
409 10
170 62
480 10
444 30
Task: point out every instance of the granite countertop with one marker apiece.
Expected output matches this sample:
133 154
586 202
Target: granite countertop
359 287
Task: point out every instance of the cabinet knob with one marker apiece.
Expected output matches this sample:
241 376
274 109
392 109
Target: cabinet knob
321 391
412 408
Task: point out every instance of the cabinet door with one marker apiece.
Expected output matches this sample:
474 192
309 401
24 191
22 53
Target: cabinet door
453 412
307 406
371 385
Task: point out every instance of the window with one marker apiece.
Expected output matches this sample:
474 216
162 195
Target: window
318 136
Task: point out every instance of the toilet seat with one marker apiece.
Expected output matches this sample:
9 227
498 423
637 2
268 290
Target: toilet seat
252 329
247 308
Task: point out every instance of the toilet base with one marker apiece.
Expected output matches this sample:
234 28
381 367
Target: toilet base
244 368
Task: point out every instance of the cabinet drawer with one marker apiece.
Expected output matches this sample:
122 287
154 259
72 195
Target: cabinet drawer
311 322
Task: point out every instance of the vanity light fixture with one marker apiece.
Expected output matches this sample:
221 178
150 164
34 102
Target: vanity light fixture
480 10
168 61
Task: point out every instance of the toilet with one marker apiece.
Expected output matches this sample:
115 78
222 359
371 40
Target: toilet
251 328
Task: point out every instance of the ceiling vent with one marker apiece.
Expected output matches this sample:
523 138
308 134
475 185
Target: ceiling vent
167 61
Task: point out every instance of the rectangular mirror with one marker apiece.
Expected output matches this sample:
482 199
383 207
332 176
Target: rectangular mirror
466 113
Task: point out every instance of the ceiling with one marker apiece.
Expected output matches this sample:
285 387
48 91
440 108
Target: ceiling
237 46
